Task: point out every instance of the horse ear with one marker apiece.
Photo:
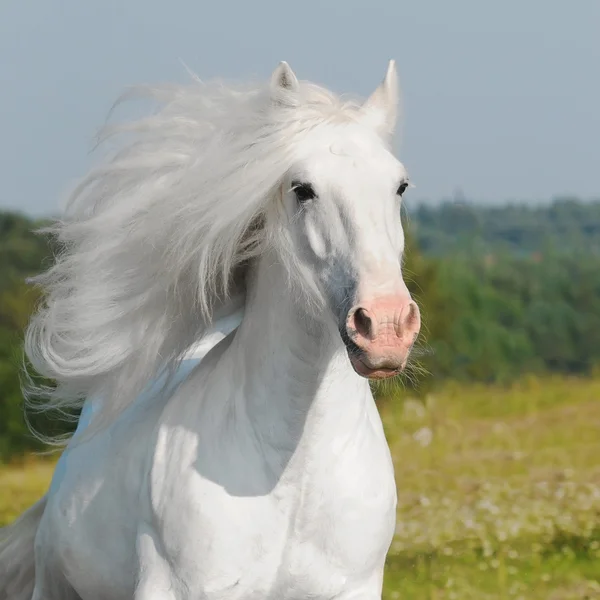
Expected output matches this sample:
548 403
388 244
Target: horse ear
283 78
380 111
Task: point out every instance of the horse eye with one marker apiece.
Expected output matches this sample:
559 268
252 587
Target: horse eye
402 189
304 191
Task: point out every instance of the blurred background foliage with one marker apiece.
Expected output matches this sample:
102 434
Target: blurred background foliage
505 291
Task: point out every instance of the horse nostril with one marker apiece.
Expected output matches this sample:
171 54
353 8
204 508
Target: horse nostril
412 314
363 323
412 322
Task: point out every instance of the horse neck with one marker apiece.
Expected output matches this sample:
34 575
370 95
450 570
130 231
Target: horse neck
295 371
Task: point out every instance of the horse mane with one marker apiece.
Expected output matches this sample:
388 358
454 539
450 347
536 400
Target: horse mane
156 242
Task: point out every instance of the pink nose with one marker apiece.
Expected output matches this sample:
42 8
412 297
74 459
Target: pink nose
384 331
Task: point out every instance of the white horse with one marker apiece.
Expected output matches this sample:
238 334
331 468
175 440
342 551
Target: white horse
265 222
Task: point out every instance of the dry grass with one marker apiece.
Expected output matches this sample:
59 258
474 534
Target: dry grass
21 485
499 492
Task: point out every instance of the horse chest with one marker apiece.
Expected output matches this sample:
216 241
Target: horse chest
342 530
323 525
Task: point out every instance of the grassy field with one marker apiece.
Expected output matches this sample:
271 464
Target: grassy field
499 492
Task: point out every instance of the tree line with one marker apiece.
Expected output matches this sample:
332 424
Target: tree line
565 226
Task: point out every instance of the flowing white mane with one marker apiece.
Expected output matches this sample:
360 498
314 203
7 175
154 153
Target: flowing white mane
157 241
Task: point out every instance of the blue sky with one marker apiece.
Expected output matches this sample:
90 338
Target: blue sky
501 99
